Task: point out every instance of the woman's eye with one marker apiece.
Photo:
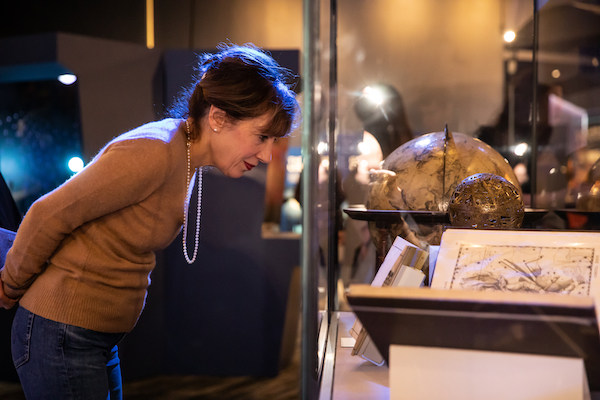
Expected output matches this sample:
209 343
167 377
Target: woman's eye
263 138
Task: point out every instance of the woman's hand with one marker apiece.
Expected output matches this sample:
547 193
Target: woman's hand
5 301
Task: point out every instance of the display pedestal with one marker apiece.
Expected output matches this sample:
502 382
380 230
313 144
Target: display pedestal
418 372
480 345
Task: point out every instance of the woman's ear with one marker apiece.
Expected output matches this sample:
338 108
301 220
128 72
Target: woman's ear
216 118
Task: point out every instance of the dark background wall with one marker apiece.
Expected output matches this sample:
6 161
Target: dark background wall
98 38
178 24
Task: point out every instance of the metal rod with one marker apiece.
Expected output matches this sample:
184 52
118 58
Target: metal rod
333 226
309 243
534 106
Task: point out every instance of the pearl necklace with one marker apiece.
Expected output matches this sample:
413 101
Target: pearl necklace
186 204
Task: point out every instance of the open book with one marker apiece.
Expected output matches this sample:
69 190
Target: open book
402 267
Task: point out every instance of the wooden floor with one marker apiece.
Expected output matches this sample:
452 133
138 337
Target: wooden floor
285 386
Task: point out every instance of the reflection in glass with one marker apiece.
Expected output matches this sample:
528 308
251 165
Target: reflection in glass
569 80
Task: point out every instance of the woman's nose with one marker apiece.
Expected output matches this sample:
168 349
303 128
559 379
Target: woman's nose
266 153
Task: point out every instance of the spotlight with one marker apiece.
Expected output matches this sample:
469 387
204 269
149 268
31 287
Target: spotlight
509 36
378 103
521 149
322 148
67 79
75 164
374 95
364 148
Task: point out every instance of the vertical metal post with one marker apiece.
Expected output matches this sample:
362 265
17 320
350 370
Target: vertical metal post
534 104
511 110
334 223
309 244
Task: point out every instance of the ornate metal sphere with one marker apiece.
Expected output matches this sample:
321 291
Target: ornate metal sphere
486 201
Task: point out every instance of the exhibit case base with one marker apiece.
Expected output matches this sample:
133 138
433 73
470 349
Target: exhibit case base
423 373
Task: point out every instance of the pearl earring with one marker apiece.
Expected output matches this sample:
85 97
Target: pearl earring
215 129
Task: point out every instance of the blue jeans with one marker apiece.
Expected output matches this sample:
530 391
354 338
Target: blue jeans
64 362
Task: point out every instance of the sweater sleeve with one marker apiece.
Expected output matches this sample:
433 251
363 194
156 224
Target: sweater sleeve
125 173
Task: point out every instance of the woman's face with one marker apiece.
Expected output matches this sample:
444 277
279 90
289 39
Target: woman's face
240 146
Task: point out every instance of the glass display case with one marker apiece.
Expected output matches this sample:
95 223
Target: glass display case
523 77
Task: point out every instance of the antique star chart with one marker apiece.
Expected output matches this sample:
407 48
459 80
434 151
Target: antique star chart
529 268
518 261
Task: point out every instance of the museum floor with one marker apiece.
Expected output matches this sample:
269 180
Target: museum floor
285 386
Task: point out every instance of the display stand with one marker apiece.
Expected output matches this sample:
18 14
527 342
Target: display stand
465 343
385 219
423 373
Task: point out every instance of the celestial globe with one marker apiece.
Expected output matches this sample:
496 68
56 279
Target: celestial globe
421 175
486 201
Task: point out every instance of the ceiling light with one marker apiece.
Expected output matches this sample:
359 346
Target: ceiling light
67 79
509 36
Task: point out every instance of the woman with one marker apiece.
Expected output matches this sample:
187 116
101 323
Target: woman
82 258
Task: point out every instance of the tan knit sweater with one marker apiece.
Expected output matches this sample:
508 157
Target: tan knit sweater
84 252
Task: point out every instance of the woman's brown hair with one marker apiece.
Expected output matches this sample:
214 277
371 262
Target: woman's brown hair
245 82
